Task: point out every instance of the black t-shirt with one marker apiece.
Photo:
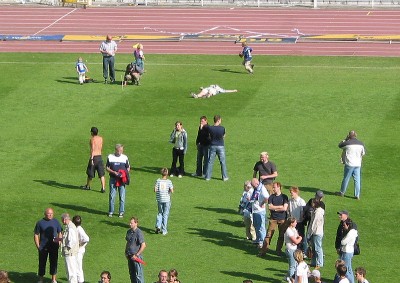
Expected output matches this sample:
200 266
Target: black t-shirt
278 200
265 169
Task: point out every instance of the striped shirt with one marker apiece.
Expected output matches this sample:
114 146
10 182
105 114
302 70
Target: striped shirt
108 48
163 189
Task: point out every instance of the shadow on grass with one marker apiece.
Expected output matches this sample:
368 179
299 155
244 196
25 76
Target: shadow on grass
74 80
227 71
56 184
148 169
78 208
218 210
253 277
22 276
238 223
310 190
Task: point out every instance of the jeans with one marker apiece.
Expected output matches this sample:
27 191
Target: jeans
113 192
162 215
347 257
259 226
318 256
108 65
220 151
292 262
135 271
52 254
349 172
202 159
178 154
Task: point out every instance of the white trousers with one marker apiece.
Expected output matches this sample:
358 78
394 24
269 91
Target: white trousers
71 266
79 257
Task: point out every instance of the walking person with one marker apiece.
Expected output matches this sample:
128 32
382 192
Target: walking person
217 147
108 48
135 246
203 145
96 161
83 241
178 138
353 152
247 57
119 167
163 189
47 233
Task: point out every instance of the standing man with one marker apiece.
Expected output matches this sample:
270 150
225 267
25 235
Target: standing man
70 248
46 234
108 49
95 162
203 145
118 166
266 170
135 246
217 147
278 205
353 152
258 200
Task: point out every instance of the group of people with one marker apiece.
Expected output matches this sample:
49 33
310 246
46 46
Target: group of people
108 49
300 225
49 236
210 144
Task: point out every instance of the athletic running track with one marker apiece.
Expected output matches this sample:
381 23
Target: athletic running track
140 20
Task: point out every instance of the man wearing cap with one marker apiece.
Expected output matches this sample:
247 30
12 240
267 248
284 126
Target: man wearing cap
316 276
353 152
266 171
108 49
340 233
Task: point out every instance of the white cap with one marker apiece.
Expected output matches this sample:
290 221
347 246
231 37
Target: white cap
315 273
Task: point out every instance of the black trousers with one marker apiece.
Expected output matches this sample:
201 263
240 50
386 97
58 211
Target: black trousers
178 154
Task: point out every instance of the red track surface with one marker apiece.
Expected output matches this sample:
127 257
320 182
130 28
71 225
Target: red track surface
21 20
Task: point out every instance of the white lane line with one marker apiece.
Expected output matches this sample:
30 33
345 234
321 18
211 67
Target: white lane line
53 23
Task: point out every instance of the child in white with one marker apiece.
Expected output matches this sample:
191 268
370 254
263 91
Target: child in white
81 69
83 240
302 269
163 189
245 210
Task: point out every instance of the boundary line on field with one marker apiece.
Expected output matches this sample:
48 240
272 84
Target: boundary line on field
212 65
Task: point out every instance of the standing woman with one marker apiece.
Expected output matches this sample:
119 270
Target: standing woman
139 56
83 240
347 247
315 233
179 139
292 239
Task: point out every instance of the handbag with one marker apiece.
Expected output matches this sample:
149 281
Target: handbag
356 248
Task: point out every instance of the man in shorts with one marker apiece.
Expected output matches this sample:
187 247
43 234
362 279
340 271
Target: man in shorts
95 162
212 90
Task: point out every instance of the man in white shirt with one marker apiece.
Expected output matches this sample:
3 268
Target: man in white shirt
108 49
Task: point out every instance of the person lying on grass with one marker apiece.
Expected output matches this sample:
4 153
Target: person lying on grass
206 92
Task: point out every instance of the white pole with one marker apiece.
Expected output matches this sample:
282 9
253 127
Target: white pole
258 3
315 4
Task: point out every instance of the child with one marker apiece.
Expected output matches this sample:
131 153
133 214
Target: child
245 210
83 240
163 189
81 70
302 270
360 275
139 56
247 57
341 270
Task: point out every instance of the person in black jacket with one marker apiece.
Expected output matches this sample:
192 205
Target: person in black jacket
203 144
341 232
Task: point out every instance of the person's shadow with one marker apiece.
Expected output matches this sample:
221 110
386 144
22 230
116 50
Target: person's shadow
58 185
226 70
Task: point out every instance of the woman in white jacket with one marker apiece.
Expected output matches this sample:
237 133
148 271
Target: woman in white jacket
347 247
315 233
83 240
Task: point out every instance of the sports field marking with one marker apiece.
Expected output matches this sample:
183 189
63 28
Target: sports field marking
56 21
210 65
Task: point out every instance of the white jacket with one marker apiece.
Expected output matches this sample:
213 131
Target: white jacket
348 241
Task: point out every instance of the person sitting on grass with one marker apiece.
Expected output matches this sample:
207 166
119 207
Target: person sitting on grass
133 73
206 92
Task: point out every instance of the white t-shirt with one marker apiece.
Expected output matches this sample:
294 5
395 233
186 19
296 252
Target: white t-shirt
344 280
290 232
262 198
296 208
302 270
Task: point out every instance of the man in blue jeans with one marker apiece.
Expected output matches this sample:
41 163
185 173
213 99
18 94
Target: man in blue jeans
353 152
217 147
118 166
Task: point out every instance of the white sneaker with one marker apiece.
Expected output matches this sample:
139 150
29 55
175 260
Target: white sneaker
172 175
179 176
110 215
194 95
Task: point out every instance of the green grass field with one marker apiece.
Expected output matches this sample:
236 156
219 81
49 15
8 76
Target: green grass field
296 108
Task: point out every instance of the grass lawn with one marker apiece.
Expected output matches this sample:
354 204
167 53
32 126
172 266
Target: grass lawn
296 108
